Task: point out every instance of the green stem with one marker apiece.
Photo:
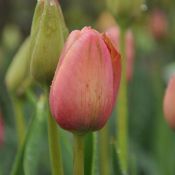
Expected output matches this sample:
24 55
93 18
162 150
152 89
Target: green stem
94 169
54 147
122 117
78 168
19 117
54 143
104 151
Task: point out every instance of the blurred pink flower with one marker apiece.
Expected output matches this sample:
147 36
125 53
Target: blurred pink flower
114 34
169 103
158 23
86 81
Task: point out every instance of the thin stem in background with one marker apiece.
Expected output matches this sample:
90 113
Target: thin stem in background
122 111
94 170
78 168
54 147
104 151
19 119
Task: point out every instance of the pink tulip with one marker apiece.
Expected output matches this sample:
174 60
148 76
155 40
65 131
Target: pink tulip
1 130
169 103
86 82
158 23
114 34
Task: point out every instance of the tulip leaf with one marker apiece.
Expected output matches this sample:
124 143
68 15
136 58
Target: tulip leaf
32 148
17 166
115 160
27 156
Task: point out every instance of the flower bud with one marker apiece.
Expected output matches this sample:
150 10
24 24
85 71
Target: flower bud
114 34
86 82
18 70
169 103
48 34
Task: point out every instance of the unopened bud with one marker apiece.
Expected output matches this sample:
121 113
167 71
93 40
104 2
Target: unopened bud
47 34
18 70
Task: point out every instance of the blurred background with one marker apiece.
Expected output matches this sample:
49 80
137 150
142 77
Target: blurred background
151 141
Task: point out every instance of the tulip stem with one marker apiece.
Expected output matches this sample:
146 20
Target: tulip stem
122 109
54 144
54 147
104 151
78 168
19 117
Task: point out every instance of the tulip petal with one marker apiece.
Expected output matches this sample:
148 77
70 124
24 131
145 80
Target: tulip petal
116 62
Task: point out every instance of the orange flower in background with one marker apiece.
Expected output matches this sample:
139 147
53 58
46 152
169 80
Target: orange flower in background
86 81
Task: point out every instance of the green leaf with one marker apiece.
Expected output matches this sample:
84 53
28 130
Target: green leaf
32 148
115 158
27 157
17 166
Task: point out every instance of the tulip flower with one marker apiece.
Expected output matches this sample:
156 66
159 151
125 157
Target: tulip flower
114 34
169 103
86 81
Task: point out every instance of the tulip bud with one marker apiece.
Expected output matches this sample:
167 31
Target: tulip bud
169 103
48 34
86 82
18 70
114 34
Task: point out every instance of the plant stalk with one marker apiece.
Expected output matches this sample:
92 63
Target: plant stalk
78 168
122 110
104 151
54 147
19 118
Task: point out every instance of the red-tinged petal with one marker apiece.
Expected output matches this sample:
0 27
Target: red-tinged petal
116 62
114 34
